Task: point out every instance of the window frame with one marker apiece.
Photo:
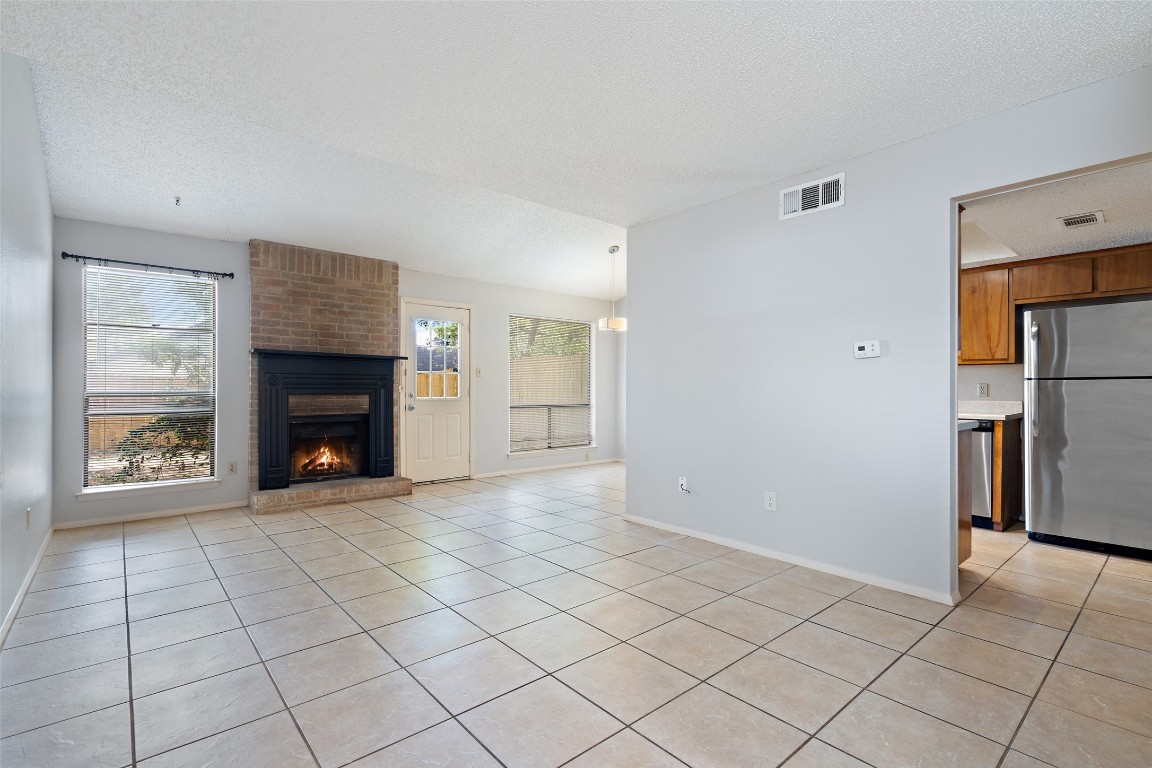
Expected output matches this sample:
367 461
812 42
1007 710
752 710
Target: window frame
115 490
591 444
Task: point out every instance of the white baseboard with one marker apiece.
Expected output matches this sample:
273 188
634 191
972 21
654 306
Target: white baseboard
529 470
150 515
11 616
947 598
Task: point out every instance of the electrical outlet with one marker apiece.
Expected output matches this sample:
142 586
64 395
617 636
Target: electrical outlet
477 371
231 467
769 501
684 485
982 390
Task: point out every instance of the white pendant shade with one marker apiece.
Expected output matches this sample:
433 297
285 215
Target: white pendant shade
613 323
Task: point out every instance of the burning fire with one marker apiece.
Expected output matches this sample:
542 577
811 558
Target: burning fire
324 462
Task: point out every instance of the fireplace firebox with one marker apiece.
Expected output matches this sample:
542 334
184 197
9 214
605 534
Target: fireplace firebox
323 417
327 447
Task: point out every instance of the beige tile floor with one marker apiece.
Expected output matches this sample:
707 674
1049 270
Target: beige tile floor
521 621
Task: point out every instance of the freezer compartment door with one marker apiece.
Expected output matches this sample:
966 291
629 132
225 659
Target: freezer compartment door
1096 340
1088 460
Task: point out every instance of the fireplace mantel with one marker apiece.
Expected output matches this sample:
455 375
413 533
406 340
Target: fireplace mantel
284 373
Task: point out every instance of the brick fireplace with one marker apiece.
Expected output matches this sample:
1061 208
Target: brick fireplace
326 340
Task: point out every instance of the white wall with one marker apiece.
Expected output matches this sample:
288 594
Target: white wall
742 378
622 384
1005 382
25 333
234 323
491 305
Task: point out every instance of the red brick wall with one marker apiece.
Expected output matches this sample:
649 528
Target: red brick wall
308 300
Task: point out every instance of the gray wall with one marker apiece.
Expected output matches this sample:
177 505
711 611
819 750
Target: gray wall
491 305
1005 382
746 381
234 323
25 333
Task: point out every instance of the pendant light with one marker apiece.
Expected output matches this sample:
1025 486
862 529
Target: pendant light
613 323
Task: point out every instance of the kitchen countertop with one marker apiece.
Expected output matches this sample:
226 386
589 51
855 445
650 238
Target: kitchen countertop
963 425
995 410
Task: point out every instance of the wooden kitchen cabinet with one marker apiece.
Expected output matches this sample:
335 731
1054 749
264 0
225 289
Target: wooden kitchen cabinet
985 316
1051 280
1007 474
1127 271
990 296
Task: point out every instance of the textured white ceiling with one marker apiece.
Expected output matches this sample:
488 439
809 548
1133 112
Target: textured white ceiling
979 247
471 138
1023 224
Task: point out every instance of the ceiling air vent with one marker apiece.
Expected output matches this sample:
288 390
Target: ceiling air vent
812 196
1082 219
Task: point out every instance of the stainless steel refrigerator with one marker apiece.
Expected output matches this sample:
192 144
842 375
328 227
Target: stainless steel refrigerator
1088 422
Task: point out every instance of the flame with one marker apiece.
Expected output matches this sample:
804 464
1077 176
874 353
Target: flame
325 458
323 461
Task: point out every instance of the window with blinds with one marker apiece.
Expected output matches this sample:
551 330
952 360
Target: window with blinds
149 377
550 383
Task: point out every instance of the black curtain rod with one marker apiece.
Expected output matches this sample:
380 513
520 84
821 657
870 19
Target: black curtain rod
106 262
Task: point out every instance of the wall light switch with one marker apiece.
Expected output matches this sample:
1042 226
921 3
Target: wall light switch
870 348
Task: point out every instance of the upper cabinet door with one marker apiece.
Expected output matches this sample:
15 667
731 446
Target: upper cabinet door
985 321
1057 278
1124 271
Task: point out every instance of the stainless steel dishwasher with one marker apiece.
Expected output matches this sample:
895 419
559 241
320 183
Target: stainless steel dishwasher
982 437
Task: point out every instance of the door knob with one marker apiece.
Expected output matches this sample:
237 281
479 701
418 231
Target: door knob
411 407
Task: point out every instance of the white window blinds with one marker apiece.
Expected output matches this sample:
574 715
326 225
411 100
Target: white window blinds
550 383
149 377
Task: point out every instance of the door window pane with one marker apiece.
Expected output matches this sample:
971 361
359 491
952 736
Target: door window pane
437 359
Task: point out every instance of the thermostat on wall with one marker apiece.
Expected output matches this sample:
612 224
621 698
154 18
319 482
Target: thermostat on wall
870 348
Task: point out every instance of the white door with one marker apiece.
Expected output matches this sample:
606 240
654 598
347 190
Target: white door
436 397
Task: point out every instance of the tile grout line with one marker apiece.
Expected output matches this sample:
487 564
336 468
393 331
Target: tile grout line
1051 666
264 665
128 646
567 570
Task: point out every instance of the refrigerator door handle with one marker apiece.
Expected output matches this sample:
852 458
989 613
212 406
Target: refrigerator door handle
1032 356
1034 338
1035 409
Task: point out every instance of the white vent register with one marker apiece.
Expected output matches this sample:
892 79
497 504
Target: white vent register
812 196
1082 219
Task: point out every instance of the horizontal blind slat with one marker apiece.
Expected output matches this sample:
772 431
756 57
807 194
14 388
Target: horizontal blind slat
550 383
150 371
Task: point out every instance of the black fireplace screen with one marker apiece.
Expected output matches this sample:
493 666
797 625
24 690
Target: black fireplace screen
327 447
307 444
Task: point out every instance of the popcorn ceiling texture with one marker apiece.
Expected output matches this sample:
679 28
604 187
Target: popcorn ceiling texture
1026 223
511 142
310 300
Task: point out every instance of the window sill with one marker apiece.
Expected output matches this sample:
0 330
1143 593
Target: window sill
551 451
120 492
